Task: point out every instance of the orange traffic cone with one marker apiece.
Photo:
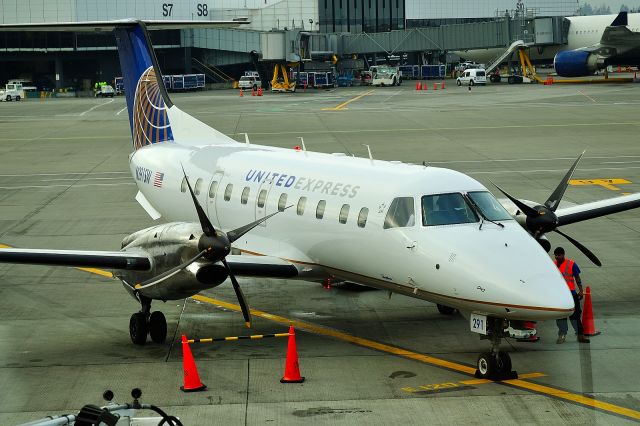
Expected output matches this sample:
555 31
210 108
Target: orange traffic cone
435 86
192 381
588 324
291 367
418 85
241 94
442 85
259 91
253 92
425 86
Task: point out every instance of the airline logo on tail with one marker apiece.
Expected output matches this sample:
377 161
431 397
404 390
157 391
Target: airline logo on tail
150 115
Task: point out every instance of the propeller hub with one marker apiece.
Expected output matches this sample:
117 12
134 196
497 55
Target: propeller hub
218 247
545 221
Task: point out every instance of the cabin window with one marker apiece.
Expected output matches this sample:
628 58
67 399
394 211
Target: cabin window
344 213
320 209
213 188
362 217
401 213
183 185
198 186
282 202
227 192
446 209
245 195
302 202
262 197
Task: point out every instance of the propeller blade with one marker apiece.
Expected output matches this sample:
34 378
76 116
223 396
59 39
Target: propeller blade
170 273
592 257
529 211
554 199
206 225
240 295
239 232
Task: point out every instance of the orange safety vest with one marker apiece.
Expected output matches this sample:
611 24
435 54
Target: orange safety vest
566 269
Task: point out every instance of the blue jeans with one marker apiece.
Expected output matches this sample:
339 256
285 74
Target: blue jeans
575 318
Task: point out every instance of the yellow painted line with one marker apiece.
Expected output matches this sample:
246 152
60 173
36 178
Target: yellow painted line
344 336
547 390
605 183
4 246
579 399
344 104
97 272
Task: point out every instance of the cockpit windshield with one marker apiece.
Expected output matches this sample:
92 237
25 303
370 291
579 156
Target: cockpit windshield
489 206
446 209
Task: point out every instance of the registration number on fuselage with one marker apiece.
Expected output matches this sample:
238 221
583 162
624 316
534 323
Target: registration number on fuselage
478 323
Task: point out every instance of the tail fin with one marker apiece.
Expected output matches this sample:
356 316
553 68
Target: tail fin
147 98
152 115
621 20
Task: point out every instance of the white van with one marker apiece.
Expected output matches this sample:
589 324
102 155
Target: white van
249 82
472 77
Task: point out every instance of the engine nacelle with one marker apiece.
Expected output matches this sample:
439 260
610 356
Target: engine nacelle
169 245
545 243
577 63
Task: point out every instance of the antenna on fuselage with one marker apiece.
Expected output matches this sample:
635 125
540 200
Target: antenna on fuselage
246 139
369 150
304 148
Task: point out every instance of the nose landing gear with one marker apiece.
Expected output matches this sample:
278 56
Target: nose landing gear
145 323
495 365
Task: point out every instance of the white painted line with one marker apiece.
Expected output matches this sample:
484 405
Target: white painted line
546 170
66 186
97 106
118 113
488 160
64 174
90 178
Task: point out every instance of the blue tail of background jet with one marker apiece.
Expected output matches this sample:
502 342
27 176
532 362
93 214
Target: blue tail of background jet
147 98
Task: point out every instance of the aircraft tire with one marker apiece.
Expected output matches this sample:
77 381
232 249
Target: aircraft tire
157 327
503 363
445 310
486 365
138 329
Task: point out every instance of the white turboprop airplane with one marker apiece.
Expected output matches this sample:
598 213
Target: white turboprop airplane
425 232
593 43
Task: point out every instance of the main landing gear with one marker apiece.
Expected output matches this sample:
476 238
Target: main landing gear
145 323
495 365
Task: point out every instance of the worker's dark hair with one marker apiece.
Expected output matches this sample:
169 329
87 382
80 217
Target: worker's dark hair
558 250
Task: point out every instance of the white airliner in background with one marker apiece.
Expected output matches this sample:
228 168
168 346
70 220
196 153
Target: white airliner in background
593 43
236 209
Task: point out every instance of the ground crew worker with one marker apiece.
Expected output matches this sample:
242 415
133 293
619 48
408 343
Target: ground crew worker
571 273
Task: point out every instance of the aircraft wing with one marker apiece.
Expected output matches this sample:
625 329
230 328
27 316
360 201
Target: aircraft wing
77 258
595 209
261 266
244 266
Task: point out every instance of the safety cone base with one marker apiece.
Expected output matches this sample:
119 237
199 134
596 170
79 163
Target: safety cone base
198 389
285 380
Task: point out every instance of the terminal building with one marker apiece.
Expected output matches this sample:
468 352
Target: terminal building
280 30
